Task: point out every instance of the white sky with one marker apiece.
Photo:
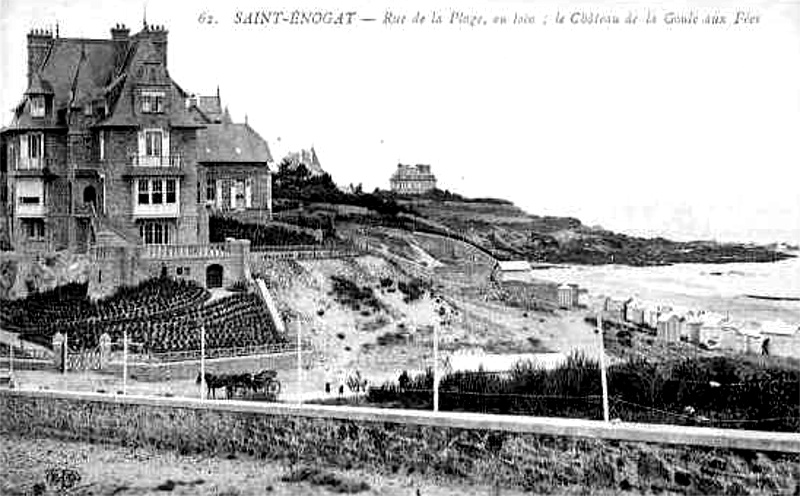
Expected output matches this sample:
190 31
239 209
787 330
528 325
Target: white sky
689 132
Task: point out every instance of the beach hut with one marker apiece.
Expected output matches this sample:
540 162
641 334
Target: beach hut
634 312
669 327
752 340
650 315
568 296
731 337
692 324
711 329
515 270
617 308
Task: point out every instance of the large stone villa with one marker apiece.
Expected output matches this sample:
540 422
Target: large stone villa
412 179
107 155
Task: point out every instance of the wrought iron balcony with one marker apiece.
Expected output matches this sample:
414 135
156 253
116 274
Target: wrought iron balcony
172 161
27 166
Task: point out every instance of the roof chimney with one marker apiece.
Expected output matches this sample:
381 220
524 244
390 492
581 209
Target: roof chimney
39 43
120 33
158 35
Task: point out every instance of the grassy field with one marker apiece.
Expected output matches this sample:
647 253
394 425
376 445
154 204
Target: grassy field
42 466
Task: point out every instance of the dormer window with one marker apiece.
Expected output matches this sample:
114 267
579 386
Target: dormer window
38 108
152 102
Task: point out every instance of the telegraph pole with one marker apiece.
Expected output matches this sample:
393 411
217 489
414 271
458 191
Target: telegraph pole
124 362
436 367
299 367
202 357
603 378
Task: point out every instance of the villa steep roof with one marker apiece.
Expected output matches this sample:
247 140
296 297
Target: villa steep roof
229 143
39 86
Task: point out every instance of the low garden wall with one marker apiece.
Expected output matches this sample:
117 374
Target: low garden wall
537 454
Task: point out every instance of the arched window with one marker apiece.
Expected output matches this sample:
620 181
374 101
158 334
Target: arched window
214 276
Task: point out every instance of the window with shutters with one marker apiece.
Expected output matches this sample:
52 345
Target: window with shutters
158 192
144 192
170 197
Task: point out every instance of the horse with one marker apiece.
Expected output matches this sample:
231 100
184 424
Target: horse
236 381
213 382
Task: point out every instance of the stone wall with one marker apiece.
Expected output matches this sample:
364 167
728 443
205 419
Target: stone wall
471 448
443 247
115 266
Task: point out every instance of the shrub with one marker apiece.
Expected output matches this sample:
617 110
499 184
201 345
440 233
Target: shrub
220 228
413 290
391 338
731 392
239 287
330 481
350 294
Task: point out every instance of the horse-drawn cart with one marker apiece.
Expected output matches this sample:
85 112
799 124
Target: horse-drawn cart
261 385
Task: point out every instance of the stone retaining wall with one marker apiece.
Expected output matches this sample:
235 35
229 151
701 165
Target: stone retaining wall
469 447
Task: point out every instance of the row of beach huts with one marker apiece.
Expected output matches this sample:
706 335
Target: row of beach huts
709 330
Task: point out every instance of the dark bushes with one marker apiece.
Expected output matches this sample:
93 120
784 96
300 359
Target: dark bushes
353 296
413 290
727 392
220 228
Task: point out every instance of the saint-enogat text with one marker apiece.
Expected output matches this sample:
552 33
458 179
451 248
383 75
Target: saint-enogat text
296 17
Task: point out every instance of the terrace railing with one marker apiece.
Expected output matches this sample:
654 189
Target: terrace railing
175 161
237 351
215 250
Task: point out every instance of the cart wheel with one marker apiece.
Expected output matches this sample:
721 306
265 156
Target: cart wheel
273 387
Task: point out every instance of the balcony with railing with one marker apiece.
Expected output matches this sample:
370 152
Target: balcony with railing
168 161
35 167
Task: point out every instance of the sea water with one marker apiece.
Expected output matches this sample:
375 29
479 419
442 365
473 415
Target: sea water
719 288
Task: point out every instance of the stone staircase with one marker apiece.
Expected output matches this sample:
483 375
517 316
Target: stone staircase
106 234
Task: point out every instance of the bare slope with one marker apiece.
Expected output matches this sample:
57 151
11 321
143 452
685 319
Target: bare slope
380 332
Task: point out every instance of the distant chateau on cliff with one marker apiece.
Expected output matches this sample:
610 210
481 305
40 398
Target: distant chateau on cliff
412 179
308 158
